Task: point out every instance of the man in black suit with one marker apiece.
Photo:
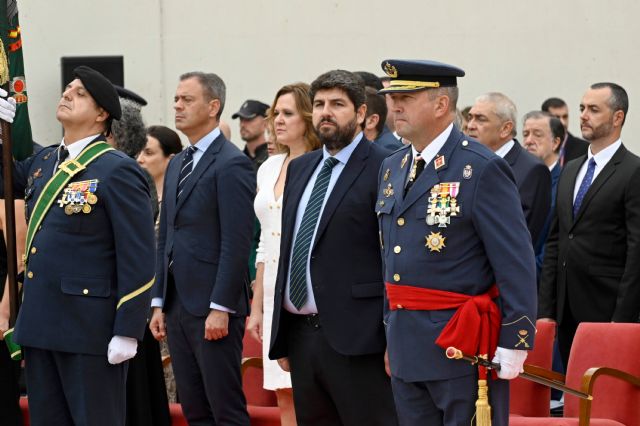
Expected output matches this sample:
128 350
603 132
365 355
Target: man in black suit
572 147
492 121
591 271
327 323
375 128
206 220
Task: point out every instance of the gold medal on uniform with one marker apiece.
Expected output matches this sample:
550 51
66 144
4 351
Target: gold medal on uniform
435 241
404 161
79 197
443 204
388 191
386 175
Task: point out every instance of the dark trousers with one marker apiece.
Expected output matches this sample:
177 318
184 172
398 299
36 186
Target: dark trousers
448 402
207 371
566 331
333 389
10 414
147 403
74 389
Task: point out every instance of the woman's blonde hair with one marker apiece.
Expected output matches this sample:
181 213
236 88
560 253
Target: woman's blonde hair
300 92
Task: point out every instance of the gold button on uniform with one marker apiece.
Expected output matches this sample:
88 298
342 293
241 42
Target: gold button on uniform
85 291
397 249
396 277
33 250
401 221
381 203
30 274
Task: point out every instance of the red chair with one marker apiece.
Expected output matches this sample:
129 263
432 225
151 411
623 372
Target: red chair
527 398
605 363
262 404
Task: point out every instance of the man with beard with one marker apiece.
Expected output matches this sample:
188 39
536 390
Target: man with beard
252 127
327 322
591 271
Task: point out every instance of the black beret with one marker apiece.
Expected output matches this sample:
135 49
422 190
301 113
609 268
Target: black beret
101 90
132 96
414 75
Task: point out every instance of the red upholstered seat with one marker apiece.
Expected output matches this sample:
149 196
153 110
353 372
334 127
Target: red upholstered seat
605 363
527 398
262 404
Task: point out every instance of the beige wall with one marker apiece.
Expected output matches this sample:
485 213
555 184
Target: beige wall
528 50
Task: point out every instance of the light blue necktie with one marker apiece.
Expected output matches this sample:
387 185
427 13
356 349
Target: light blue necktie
298 276
584 186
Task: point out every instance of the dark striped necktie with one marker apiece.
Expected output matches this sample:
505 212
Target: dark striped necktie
298 276
187 168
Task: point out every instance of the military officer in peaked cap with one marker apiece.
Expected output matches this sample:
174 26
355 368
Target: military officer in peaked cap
459 266
89 262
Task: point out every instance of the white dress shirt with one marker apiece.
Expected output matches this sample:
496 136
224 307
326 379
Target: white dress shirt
504 149
342 156
601 159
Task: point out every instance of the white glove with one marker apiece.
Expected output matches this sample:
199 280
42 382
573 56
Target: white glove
7 107
511 362
121 349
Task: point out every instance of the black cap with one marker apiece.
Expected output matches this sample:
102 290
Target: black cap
101 90
411 76
251 109
132 96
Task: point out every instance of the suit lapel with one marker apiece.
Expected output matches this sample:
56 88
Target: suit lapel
512 156
205 161
295 186
351 171
608 170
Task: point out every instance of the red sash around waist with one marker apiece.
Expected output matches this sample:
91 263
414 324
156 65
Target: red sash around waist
474 328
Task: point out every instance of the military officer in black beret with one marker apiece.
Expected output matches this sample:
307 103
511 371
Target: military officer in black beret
89 262
459 265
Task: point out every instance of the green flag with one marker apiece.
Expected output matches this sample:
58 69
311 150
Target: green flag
12 72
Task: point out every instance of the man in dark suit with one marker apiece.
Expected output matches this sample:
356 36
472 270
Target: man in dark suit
453 236
492 121
591 271
374 125
206 220
89 263
542 135
327 322
572 147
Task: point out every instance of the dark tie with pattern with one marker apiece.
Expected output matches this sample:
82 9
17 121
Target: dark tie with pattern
584 186
416 170
298 277
187 168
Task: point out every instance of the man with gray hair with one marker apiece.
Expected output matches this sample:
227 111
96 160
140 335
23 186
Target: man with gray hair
206 220
492 121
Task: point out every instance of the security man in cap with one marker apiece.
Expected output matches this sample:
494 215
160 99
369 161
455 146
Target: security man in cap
252 116
459 265
89 262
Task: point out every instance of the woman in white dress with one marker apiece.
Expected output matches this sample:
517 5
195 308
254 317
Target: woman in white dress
290 124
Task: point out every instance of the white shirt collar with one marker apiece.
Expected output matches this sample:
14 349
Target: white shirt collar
431 150
553 165
205 142
605 155
76 147
504 149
